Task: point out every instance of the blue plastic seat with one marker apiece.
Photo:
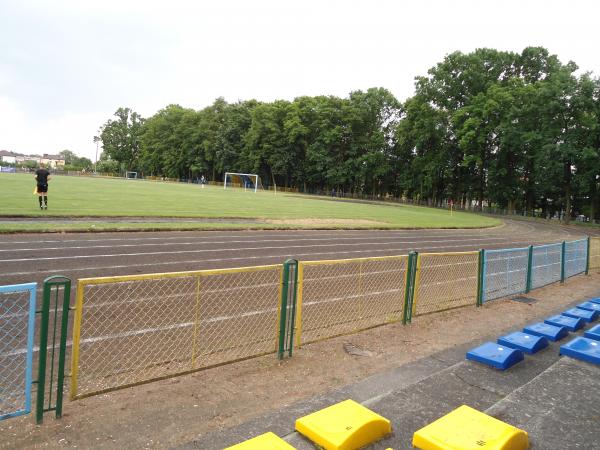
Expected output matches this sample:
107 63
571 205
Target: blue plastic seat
590 306
582 348
525 342
496 355
595 300
593 333
551 332
585 314
570 323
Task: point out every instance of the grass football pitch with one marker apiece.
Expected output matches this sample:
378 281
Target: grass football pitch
106 203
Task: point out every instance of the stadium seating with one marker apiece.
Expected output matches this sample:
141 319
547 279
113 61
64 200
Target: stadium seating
467 428
527 343
551 332
584 314
495 355
344 426
265 441
570 323
582 348
593 333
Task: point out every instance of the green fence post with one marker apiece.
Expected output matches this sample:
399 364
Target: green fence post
562 261
50 283
529 266
480 267
292 316
41 380
587 259
409 289
286 321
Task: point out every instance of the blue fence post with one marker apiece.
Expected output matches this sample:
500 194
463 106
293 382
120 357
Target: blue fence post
29 288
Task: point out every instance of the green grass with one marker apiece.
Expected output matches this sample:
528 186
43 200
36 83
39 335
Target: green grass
104 197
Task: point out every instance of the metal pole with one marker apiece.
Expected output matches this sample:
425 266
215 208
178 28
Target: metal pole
562 261
410 286
41 380
283 309
529 266
480 277
587 259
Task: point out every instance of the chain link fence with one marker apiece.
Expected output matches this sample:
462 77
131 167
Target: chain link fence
445 281
133 329
17 322
546 264
344 296
575 257
595 253
505 272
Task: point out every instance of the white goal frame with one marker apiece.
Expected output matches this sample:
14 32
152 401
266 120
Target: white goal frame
134 177
256 179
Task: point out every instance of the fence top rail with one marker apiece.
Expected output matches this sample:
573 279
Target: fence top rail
474 252
160 276
18 288
576 241
350 260
507 250
558 244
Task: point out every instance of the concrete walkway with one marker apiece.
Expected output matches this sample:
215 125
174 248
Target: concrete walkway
553 398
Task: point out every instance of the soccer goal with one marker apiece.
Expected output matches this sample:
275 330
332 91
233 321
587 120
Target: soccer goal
242 180
131 175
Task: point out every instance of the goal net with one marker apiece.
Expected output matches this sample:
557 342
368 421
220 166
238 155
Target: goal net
131 175
248 181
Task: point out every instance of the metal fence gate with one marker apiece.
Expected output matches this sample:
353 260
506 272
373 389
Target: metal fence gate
17 323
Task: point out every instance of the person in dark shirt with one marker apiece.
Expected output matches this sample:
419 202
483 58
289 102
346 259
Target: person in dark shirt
42 176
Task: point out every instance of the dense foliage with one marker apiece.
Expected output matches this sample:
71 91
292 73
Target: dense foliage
517 131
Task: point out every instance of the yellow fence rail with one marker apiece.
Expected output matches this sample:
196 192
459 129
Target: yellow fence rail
134 329
445 281
595 253
339 297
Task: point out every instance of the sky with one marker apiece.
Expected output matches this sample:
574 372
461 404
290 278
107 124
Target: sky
66 66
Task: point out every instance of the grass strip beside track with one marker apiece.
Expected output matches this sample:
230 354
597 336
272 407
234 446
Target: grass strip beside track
92 197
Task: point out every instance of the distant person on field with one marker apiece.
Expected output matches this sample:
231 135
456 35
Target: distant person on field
42 176
202 181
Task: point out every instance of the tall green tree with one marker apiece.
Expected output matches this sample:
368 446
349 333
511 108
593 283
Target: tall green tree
121 138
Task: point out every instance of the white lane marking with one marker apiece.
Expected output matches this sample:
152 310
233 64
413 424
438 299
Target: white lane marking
244 258
54 258
407 233
229 241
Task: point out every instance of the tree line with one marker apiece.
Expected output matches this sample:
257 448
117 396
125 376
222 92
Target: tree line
520 131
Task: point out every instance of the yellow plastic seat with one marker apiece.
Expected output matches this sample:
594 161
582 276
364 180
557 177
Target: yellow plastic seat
267 441
466 428
344 426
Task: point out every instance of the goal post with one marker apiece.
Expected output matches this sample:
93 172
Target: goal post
131 175
245 180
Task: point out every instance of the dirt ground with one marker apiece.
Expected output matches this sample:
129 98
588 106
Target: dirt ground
172 412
